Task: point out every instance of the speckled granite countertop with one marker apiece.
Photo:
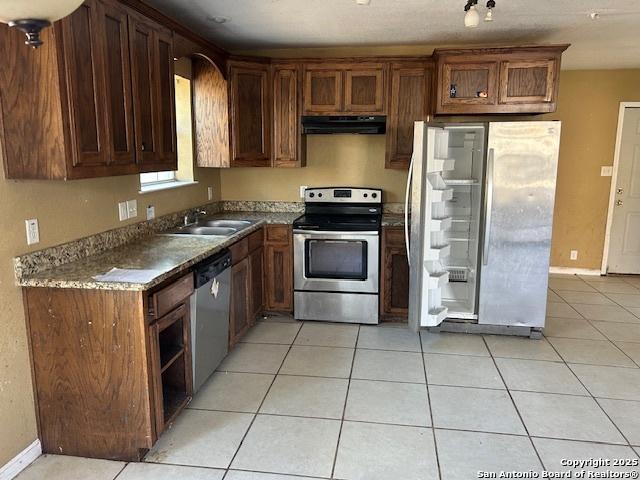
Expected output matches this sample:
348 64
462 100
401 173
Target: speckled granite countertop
393 220
169 254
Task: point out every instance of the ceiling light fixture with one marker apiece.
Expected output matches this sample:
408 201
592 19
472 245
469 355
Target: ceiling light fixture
363 2
594 16
472 15
34 15
218 19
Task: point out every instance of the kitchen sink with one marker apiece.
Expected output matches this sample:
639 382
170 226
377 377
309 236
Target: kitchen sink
237 224
204 230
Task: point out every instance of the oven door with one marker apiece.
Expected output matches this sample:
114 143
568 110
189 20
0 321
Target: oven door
336 261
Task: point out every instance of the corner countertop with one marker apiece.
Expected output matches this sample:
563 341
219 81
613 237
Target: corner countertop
168 254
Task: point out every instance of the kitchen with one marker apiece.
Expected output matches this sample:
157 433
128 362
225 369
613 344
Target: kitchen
270 157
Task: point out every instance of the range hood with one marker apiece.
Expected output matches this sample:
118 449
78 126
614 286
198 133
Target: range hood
371 125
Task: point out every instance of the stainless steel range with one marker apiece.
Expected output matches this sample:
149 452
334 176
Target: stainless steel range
336 246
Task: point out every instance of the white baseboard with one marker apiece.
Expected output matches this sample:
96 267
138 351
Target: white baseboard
21 461
575 271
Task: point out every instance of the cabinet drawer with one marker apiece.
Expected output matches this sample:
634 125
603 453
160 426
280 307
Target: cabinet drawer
394 236
239 250
256 239
165 300
279 234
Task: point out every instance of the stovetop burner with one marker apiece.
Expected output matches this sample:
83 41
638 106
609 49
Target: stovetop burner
341 209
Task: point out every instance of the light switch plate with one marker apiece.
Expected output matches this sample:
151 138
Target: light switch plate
123 211
33 232
606 171
302 189
151 212
132 208
210 193
574 254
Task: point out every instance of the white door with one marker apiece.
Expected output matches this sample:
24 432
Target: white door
624 239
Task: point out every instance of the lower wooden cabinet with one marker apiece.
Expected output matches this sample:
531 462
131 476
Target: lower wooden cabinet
394 285
278 266
240 301
171 366
246 285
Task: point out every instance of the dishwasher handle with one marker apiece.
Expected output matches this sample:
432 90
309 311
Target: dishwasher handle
211 268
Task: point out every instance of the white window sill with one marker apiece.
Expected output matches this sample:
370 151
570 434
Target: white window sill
165 186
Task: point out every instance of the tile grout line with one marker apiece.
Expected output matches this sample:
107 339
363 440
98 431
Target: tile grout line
513 402
344 407
433 426
593 398
126 464
255 415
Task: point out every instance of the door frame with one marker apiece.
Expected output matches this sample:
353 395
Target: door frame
614 181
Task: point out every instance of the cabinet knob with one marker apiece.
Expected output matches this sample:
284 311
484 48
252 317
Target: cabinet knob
143 147
619 203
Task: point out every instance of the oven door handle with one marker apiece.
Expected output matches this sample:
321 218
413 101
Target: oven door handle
331 232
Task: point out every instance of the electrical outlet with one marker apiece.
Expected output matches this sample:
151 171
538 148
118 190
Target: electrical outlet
574 255
606 171
210 193
132 208
33 232
151 212
302 189
123 211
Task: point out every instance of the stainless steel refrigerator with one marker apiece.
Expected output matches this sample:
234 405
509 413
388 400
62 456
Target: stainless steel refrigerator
481 197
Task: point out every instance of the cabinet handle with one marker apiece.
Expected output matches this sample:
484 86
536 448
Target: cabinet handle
143 147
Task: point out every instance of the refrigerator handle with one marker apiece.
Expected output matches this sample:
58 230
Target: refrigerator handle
406 208
489 207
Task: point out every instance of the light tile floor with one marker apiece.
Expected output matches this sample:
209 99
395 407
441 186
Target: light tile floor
311 401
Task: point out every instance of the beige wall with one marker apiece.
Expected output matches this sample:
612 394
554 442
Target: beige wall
588 107
65 211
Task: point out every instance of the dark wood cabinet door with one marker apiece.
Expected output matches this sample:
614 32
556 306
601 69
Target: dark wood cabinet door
115 49
256 268
141 38
530 81
364 90
465 84
394 291
409 102
323 91
278 268
250 116
165 101
84 72
288 143
240 301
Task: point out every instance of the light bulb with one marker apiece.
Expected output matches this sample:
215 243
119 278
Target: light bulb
472 17
489 17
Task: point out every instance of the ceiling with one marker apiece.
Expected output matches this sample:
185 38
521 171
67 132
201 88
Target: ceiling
611 41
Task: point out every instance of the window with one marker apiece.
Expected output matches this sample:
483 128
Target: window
184 131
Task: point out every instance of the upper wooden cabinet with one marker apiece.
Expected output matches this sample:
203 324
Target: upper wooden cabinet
95 100
289 145
340 89
409 101
498 80
153 93
250 114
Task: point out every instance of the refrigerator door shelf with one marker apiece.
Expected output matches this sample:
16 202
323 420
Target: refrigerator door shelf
437 253
436 316
437 280
444 195
441 224
441 165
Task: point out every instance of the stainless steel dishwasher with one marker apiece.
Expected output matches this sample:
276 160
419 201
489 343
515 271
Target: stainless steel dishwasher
210 316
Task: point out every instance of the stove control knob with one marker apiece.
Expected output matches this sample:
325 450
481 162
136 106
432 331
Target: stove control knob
319 195
312 195
366 195
374 195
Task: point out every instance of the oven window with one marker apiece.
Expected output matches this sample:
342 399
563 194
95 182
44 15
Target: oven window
340 259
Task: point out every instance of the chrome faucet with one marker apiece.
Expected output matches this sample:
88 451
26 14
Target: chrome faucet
196 215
